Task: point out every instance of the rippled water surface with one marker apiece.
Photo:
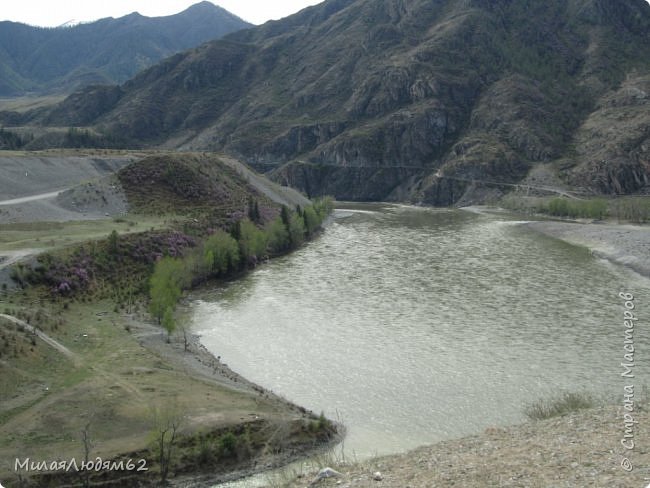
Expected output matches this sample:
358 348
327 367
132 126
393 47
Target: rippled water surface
417 325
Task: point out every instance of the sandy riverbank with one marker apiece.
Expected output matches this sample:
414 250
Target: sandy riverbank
624 244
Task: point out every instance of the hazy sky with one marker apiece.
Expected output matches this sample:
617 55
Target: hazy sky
56 12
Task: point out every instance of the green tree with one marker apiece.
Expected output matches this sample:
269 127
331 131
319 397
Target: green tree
278 236
252 241
310 219
113 243
296 230
285 215
165 286
254 211
221 252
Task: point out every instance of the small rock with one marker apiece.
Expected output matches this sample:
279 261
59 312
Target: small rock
325 473
377 476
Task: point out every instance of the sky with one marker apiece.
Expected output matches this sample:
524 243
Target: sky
52 13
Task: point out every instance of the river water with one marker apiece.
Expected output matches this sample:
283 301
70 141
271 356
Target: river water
417 325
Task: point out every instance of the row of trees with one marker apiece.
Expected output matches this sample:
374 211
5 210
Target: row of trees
623 208
586 209
11 140
224 253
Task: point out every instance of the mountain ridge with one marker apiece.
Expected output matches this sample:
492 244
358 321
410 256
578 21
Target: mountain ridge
109 50
405 99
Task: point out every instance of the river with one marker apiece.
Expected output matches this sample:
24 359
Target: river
415 325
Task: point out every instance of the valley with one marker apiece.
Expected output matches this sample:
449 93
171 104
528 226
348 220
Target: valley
386 237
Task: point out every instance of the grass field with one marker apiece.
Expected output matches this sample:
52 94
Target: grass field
53 235
121 369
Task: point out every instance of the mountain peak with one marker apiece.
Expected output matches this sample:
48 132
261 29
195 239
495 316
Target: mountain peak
108 50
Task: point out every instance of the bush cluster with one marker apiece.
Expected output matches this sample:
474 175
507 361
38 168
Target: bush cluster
586 209
626 208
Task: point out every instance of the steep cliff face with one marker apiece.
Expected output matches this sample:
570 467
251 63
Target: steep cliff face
612 147
408 99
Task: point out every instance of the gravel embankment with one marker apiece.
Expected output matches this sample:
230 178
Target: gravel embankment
578 450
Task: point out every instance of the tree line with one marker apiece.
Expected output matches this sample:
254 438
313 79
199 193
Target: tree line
223 254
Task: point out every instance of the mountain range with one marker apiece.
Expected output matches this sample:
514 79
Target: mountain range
410 100
35 59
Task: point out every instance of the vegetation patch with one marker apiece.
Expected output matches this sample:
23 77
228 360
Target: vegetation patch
628 209
223 254
563 404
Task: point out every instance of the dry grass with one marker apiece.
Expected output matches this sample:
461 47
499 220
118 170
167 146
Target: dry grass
563 404
47 399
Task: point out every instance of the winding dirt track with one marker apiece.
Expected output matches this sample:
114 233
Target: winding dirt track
44 337
32 198
75 358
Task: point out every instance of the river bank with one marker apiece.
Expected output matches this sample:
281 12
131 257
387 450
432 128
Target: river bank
186 353
576 450
111 368
363 265
624 244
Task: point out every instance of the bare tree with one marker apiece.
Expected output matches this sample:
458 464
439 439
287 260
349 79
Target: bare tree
186 341
88 445
167 420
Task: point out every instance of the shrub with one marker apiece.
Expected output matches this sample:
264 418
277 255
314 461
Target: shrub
566 403
278 236
227 444
586 209
296 230
221 253
311 220
252 241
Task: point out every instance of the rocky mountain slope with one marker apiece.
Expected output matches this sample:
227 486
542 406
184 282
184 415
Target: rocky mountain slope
412 100
34 59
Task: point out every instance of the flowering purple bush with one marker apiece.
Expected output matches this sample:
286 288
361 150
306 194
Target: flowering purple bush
65 277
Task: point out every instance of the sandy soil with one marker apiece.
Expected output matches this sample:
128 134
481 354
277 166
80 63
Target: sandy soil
628 245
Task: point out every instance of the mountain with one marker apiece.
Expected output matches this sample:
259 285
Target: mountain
408 100
35 59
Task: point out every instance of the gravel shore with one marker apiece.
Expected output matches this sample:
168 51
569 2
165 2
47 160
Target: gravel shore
628 245
581 449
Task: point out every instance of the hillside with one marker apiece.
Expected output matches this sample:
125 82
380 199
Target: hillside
84 362
405 100
34 59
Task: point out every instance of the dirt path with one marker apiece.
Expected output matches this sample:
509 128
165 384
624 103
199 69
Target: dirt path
32 198
44 337
12 257
75 358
